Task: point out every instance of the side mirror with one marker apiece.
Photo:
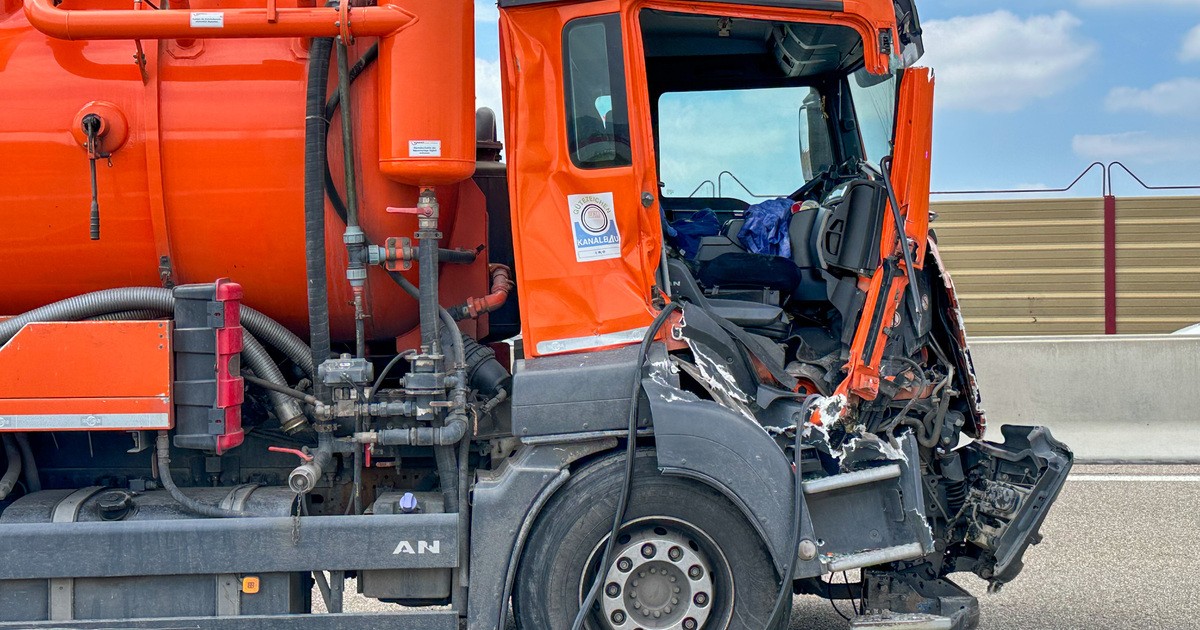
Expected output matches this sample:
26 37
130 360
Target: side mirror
816 150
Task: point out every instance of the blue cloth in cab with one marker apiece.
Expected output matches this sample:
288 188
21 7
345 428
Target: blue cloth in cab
687 232
766 228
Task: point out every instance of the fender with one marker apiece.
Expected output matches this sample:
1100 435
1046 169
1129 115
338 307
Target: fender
730 452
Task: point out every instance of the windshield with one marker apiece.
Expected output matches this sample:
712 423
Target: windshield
874 98
733 143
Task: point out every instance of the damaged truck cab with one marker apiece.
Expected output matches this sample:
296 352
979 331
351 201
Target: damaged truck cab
252 385
837 351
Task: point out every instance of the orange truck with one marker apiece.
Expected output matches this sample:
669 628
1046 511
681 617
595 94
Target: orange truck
278 316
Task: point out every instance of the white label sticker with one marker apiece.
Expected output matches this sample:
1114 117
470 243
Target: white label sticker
424 148
594 227
211 19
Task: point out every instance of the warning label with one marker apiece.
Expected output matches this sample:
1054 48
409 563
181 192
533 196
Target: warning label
424 148
210 19
594 227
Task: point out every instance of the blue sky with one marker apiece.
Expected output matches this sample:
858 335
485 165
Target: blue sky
1032 91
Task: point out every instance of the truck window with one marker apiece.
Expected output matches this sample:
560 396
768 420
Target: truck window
874 98
711 140
597 112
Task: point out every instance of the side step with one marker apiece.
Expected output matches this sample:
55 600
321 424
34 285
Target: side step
886 620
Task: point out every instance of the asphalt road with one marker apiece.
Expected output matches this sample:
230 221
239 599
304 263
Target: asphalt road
1121 550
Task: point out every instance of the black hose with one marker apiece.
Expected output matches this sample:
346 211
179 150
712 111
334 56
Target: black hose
163 453
12 470
90 305
281 389
112 304
33 479
124 316
784 596
630 451
315 126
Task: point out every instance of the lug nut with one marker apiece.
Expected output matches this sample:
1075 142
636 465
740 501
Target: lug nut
648 550
618 617
624 564
612 589
675 554
689 624
701 599
695 572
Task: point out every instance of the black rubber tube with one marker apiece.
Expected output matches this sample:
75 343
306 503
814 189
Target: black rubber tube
315 127
33 479
630 450
12 469
163 453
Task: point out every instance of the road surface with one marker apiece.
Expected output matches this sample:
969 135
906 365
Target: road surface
1121 550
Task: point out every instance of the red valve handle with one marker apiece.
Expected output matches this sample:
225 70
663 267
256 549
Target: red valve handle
305 457
421 212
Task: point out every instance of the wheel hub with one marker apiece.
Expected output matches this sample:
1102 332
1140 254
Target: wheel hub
657 580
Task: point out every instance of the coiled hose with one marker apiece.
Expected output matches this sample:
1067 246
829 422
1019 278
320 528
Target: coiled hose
12 471
133 302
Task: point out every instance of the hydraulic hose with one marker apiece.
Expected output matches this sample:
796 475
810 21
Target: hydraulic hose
12 470
33 480
291 415
315 127
630 451
783 597
163 453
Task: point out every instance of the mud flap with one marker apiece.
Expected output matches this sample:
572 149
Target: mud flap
1012 487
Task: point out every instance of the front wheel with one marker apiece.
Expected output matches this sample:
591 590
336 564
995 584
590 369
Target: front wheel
685 559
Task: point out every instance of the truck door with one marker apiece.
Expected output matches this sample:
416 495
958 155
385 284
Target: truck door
586 230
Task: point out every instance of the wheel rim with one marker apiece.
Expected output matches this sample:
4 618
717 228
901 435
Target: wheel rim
664 574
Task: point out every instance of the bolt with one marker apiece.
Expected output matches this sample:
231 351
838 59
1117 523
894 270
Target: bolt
675 554
674 601
675 588
701 599
667 610
645 612
657 614
624 565
636 605
695 572
612 589
648 550
689 624
807 550
618 617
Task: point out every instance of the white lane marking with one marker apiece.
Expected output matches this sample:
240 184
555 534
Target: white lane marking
1148 478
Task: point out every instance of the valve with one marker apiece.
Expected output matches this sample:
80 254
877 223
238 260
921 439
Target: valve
93 128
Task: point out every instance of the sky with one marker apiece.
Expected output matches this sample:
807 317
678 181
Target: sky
1029 93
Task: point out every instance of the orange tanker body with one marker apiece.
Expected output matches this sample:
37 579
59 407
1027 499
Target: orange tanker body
207 167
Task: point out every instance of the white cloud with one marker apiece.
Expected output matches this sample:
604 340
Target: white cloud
487 90
1191 46
486 12
1133 146
1174 97
1138 3
999 62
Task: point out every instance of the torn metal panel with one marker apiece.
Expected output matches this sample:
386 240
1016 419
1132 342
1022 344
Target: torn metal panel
959 348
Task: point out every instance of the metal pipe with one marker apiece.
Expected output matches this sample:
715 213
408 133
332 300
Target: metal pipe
291 415
455 430
243 23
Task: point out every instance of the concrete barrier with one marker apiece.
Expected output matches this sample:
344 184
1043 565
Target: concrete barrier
1119 398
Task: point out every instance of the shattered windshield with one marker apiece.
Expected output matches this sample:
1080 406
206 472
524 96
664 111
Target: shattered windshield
874 98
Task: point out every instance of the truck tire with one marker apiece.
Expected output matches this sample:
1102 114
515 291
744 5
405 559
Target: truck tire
686 558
